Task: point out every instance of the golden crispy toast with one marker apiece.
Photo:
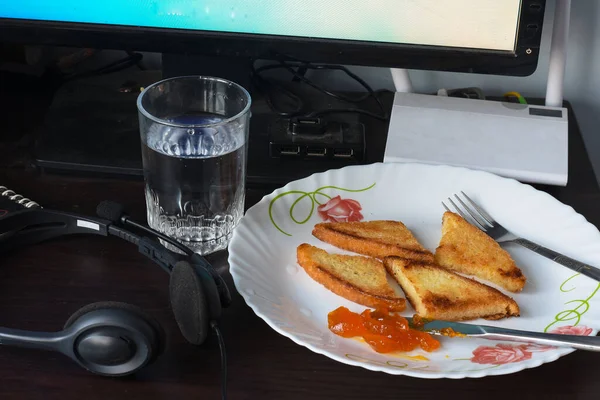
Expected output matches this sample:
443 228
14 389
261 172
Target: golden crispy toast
377 239
466 249
359 279
438 293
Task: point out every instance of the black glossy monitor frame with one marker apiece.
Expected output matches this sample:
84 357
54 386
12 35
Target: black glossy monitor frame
521 62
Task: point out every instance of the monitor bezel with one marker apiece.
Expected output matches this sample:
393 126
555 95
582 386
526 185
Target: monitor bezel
522 62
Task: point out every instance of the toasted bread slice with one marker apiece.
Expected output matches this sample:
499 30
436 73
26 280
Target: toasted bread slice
466 249
377 239
438 293
359 279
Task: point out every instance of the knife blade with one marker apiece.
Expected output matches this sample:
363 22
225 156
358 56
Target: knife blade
435 327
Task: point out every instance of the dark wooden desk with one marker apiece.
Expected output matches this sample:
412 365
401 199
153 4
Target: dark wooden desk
42 285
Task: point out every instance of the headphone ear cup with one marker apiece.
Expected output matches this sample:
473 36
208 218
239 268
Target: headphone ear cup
189 303
153 323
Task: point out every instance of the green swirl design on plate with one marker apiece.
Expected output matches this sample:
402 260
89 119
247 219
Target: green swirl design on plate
389 363
578 307
310 196
412 366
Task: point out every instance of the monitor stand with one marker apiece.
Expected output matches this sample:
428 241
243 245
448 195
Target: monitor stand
91 127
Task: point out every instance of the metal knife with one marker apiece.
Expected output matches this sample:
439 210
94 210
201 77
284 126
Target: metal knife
590 343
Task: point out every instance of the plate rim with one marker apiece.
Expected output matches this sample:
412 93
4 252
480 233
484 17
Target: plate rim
513 368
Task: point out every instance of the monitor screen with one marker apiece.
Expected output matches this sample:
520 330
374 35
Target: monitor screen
470 24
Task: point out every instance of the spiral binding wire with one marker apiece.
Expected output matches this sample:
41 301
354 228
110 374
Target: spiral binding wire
17 198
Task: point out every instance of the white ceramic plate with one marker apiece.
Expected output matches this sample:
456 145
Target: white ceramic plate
265 272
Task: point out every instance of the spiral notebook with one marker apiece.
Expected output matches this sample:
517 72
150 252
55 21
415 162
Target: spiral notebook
11 202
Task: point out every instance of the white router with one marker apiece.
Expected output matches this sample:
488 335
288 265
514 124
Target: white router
525 142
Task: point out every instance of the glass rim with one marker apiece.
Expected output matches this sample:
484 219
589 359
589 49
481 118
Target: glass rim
162 121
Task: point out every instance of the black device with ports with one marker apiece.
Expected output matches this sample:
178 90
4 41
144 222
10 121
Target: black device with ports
320 138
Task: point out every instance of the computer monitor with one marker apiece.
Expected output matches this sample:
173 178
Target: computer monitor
480 36
224 38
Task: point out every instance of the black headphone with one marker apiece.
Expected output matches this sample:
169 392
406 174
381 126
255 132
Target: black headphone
111 338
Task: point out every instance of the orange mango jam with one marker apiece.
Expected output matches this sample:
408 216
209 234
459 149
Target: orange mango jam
383 331
451 333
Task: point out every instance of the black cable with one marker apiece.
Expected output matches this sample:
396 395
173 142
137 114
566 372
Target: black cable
347 111
114 66
306 65
134 56
320 88
215 327
266 88
303 66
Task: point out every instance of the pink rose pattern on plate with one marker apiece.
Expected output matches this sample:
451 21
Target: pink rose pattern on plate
506 353
573 330
340 210
500 354
335 209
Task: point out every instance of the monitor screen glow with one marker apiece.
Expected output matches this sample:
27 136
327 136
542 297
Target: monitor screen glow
471 24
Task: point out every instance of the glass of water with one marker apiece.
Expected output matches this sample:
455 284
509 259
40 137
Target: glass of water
194 133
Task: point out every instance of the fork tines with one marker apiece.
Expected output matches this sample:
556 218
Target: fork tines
476 215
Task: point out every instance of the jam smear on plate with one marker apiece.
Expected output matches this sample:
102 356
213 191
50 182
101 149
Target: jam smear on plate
385 332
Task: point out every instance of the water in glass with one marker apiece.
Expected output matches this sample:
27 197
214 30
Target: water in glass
195 180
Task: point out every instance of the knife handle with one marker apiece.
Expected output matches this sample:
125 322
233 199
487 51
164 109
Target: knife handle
578 266
589 343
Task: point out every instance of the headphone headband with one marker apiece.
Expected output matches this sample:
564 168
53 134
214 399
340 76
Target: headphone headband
31 226
37 225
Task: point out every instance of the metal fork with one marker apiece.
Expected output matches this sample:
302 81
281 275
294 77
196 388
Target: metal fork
486 223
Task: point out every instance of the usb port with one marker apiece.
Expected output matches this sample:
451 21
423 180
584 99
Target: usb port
289 150
316 151
343 153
